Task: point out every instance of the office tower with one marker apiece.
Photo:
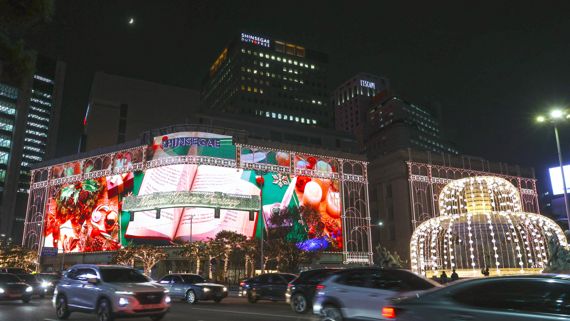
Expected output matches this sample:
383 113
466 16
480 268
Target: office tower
394 123
268 78
120 108
352 100
29 116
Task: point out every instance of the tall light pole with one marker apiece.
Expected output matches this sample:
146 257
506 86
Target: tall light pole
556 117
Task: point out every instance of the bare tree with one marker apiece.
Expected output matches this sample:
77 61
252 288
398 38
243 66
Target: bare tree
148 255
229 242
17 256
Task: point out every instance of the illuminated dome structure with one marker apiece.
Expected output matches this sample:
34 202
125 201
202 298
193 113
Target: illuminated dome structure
481 225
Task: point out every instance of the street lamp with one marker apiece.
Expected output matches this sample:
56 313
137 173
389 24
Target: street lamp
556 117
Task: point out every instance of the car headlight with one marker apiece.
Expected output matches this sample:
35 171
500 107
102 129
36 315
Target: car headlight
123 302
29 289
225 289
167 299
46 284
206 290
1 290
124 293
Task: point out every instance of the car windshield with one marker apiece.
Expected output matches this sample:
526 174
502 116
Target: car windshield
122 275
193 279
9 278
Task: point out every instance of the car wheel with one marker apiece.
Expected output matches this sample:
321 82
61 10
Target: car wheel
157 317
191 297
299 303
61 308
26 299
331 313
104 311
251 298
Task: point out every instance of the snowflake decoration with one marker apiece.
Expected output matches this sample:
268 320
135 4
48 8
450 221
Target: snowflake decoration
280 179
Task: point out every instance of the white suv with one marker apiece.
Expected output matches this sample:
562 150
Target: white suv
109 291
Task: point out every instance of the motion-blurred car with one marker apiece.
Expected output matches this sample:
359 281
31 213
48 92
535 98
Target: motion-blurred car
361 293
193 288
48 281
301 291
512 298
268 286
13 288
32 280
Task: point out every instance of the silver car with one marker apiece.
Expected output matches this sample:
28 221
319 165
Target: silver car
360 293
109 291
192 288
512 298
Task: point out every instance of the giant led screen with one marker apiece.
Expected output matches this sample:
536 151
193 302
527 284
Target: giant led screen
165 203
318 226
556 179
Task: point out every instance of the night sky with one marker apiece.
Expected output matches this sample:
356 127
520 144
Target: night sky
491 66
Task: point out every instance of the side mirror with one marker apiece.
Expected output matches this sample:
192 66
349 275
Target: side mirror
92 280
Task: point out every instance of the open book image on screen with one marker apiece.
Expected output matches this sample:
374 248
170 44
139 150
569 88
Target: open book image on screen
196 223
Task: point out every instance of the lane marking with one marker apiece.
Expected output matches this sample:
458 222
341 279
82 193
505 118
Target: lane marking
255 313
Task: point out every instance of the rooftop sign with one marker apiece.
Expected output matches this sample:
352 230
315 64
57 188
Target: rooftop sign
367 84
255 40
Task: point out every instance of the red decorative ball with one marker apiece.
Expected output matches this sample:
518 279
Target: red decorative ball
312 160
301 182
164 138
259 180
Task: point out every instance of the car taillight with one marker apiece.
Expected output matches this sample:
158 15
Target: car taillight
289 285
242 284
389 312
320 287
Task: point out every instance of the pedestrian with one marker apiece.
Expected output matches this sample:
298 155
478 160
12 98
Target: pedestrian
443 278
454 276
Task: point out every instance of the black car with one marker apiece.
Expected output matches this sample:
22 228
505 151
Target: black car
541 297
269 286
301 291
193 288
13 288
31 280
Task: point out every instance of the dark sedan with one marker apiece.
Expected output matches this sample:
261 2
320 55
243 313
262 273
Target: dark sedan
512 298
13 288
301 291
193 288
35 283
269 286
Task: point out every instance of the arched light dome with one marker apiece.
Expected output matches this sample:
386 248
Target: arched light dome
481 225
479 194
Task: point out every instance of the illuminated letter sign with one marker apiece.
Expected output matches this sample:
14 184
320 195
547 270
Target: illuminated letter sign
255 40
153 201
367 84
189 141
